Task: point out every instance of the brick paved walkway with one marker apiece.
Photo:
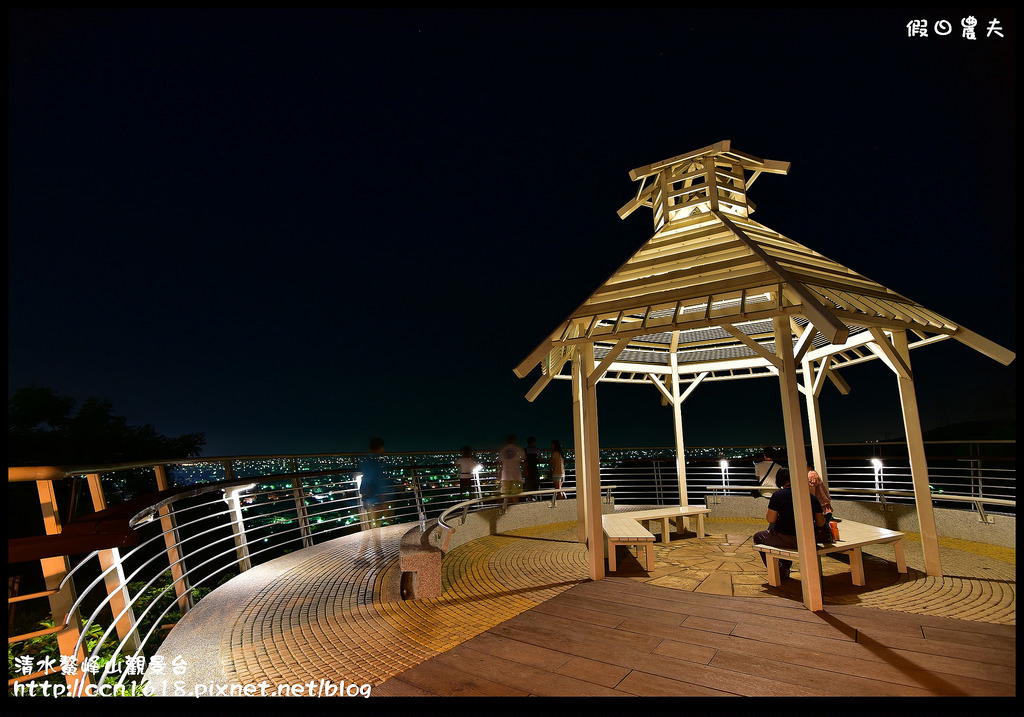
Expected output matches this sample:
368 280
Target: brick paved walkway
319 614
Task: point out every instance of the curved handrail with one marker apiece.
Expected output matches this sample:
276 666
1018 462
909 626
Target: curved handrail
442 523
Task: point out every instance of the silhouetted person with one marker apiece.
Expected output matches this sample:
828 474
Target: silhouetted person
781 519
512 457
469 466
371 489
820 491
766 471
557 466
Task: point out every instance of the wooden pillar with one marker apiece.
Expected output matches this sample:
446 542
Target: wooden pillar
814 418
677 418
113 577
810 570
595 532
918 462
55 569
580 448
172 544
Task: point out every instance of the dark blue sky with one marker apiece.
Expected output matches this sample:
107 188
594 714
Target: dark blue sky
292 230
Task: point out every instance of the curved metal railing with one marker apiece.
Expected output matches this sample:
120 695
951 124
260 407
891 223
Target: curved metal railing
116 603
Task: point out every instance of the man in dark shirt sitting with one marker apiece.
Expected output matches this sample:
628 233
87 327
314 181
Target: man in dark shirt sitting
781 531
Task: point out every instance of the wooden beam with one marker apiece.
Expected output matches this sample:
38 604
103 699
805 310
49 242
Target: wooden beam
539 386
644 195
833 329
526 365
647 170
983 345
661 387
918 462
804 343
593 378
885 351
838 381
693 385
758 348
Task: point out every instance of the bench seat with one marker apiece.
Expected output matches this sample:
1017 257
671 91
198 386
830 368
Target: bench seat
852 537
622 530
679 513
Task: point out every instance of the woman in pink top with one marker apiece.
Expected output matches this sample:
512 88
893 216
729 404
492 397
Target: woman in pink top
819 491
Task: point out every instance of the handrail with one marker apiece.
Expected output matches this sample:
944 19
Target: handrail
979 501
175 531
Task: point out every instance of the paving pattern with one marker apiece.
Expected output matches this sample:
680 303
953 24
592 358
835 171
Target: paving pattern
324 615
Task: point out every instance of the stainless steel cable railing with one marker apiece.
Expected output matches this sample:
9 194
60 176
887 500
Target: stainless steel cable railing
219 517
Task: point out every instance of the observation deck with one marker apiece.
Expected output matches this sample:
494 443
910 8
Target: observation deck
519 617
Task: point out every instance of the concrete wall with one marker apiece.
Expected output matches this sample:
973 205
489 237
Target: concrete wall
960 524
520 515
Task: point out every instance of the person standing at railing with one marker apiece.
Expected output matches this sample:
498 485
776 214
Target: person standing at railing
468 467
557 465
766 472
371 489
511 457
820 491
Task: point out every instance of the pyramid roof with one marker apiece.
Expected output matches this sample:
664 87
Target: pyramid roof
708 283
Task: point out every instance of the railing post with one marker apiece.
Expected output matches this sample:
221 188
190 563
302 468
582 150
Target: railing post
172 543
299 493
237 522
54 571
421 510
113 576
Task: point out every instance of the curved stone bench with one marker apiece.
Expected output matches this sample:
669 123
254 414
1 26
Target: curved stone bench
419 559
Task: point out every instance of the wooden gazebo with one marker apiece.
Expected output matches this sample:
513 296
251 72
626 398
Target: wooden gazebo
713 295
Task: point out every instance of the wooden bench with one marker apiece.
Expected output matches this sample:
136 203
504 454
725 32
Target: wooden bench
619 529
852 537
665 513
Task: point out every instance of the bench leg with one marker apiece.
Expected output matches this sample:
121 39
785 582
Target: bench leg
774 577
649 550
901 561
700 525
857 566
664 529
611 556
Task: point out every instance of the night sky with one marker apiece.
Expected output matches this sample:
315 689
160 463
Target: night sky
293 230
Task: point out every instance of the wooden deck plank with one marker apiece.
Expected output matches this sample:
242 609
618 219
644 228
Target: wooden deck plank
893 675
617 609
397 687
988 641
577 612
992 653
558 628
839 685
889 658
647 685
533 655
438 678
535 681
818 629
627 637
668 599
878 615
600 673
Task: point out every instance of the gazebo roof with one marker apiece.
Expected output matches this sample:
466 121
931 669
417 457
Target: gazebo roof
710 280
